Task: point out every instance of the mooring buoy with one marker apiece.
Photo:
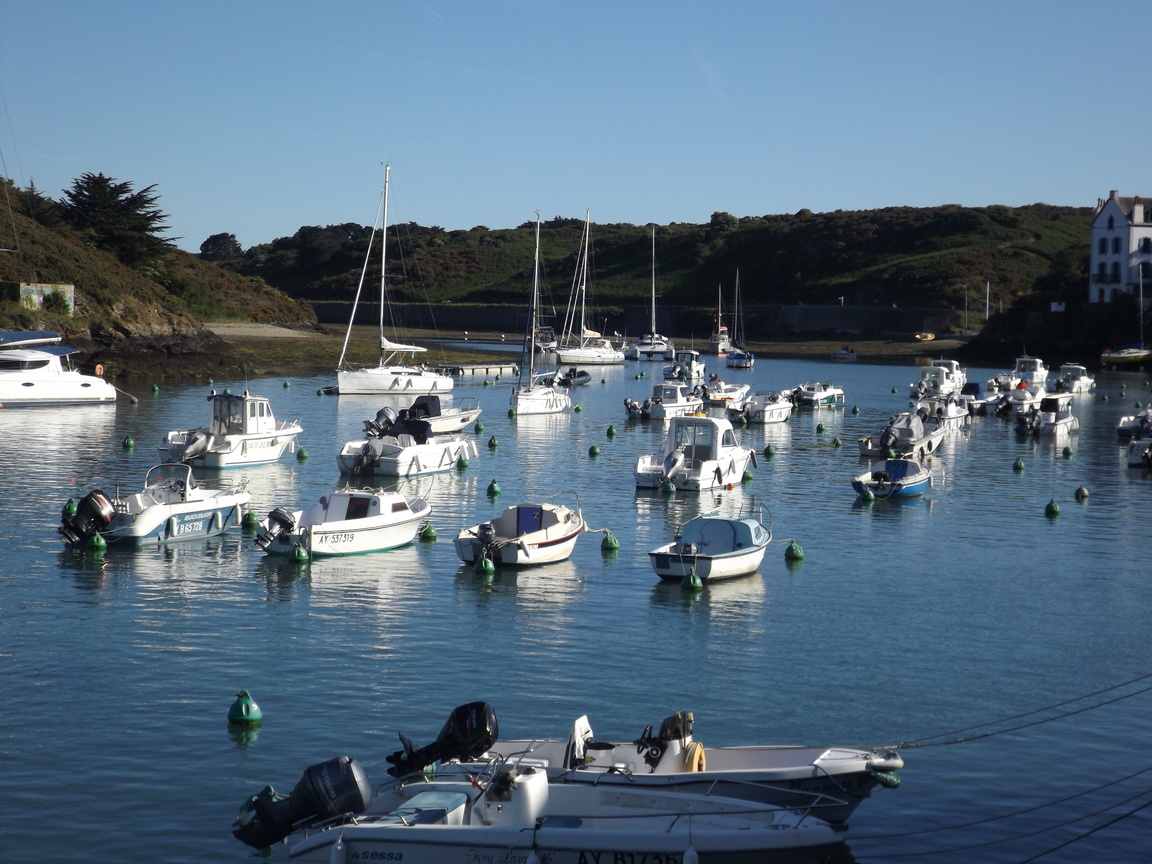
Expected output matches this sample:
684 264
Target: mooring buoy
245 711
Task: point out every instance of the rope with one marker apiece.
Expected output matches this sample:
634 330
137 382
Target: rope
919 742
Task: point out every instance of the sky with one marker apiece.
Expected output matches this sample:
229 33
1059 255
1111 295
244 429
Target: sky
255 118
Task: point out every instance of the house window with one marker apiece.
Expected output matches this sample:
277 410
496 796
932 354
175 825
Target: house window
1146 245
1111 223
1102 271
1115 245
1145 269
1116 272
1103 245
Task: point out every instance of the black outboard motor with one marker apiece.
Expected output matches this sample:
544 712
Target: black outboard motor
280 521
327 789
94 512
470 731
678 727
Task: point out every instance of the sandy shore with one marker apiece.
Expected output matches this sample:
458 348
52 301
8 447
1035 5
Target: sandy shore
250 330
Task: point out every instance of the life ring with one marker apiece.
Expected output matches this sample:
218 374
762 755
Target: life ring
99 370
694 757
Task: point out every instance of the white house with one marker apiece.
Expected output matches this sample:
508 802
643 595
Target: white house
1121 248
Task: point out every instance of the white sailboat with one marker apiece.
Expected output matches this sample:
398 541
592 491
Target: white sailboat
580 345
719 343
531 395
738 357
389 375
651 345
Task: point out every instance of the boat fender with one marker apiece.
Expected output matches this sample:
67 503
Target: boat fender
694 757
887 779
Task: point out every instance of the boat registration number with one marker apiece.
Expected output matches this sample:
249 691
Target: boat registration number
341 538
190 528
377 856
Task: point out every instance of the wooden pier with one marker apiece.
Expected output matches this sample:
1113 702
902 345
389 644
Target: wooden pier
486 369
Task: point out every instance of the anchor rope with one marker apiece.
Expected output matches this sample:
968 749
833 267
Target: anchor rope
1038 831
920 742
1022 812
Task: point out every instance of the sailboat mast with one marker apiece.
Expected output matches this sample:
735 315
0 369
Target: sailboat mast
381 206
530 338
653 330
383 264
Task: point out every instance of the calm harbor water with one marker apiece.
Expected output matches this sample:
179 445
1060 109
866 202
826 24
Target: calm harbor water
944 618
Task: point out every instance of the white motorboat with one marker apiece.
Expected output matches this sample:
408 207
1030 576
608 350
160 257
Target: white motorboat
429 408
699 453
940 379
242 432
894 478
817 394
1140 453
720 393
687 366
403 447
714 547
948 412
843 355
1137 425
389 375
170 506
1021 400
1074 378
510 810
1052 416
667 400
904 436
347 522
1030 370
831 781
530 394
768 406
524 535
579 344
651 345
35 370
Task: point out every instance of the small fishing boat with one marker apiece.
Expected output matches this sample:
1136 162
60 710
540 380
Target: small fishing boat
35 370
347 522
170 506
831 781
817 394
1074 378
904 436
667 400
942 378
570 377
509 810
1029 370
1137 425
894 478
430 409
687 366
699 453
524 535
949 412
720 393
768 406
242 432
1140 453
403 447
1127 356
843 355
715 547
1052 416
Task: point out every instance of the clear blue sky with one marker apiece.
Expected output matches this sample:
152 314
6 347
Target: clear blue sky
255 117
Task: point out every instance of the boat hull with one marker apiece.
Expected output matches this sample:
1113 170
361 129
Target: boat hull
357 536
673 565
396 380
539 400
893 478
397 460
711 474
524 535
232 451
191 521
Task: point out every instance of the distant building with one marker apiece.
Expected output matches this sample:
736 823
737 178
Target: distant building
33 294
1121 248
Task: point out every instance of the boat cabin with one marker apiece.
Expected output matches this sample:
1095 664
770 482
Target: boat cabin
343 506
240 415
700 438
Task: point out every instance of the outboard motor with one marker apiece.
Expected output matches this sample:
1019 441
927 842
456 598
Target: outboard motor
385 419
678 727
888 438
280 521
486 533
94 513
470 731
327 789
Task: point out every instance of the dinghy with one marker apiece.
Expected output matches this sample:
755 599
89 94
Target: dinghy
714 547
524 535
170 506
893 478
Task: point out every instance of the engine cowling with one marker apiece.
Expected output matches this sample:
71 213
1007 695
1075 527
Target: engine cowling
93 514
